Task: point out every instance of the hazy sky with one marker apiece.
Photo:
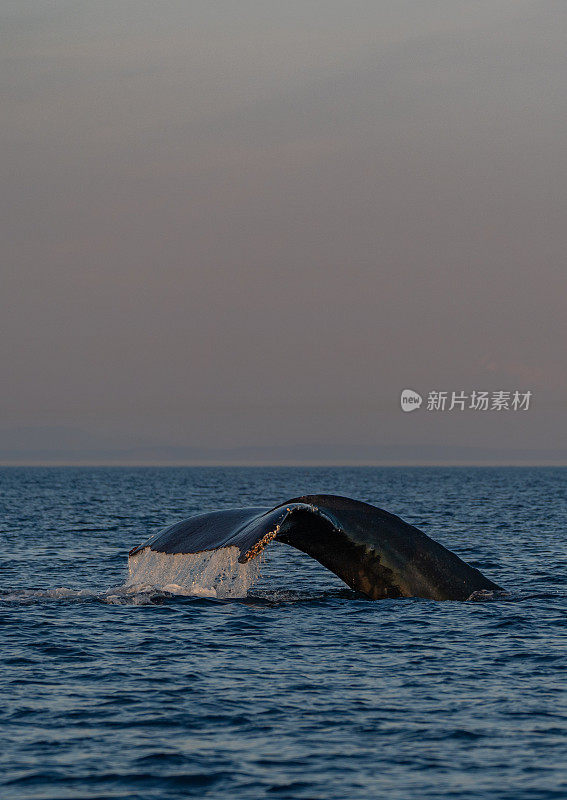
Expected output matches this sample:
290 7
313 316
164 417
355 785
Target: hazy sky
252 224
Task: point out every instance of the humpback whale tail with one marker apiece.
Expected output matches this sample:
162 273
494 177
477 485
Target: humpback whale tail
371 550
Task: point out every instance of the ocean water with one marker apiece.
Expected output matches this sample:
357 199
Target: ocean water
301 689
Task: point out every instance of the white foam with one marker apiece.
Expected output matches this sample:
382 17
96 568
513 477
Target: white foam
212 573
60 593
484 595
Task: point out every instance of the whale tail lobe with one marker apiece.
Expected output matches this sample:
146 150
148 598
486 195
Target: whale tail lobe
371 550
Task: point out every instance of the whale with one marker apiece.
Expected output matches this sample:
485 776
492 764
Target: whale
376 553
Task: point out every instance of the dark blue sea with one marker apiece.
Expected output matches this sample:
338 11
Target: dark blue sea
302 689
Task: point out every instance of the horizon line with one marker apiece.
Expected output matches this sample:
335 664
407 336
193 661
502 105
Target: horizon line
283 463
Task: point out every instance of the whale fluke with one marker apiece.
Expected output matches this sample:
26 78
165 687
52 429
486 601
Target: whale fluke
371 550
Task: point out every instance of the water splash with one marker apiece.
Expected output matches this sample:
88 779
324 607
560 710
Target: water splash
213 573
154 577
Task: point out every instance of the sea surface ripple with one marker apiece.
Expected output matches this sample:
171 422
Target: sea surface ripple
302 689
